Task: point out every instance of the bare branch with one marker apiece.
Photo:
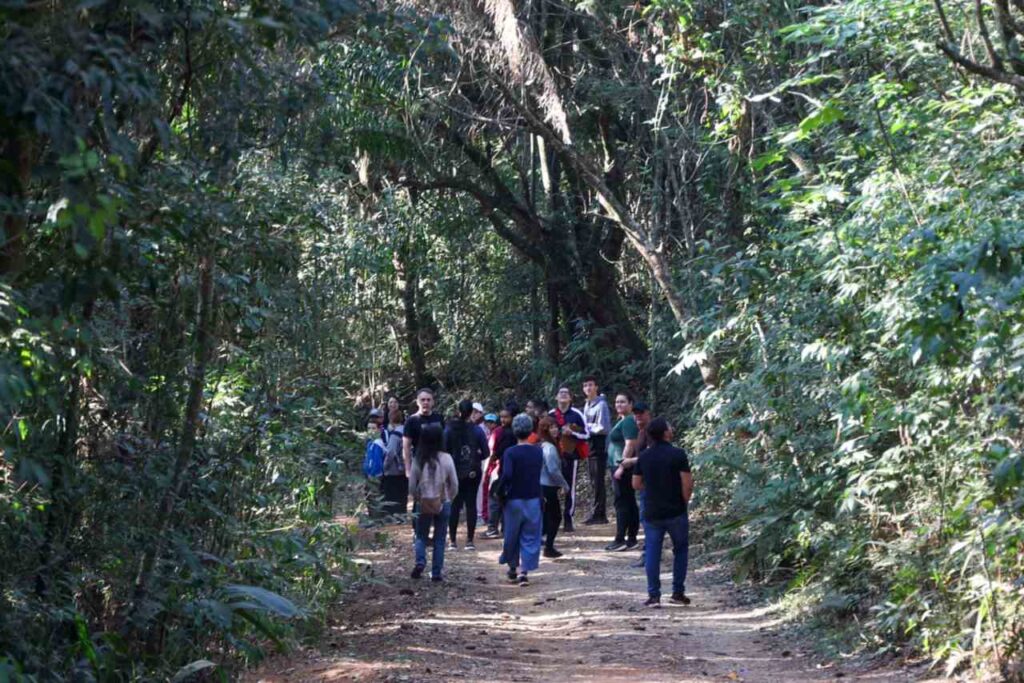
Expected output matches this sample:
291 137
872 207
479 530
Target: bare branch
1015 80
993 56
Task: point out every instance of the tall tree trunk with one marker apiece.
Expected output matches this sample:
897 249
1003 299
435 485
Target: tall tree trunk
202 345
413 341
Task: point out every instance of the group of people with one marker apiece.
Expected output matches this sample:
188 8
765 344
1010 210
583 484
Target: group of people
520 469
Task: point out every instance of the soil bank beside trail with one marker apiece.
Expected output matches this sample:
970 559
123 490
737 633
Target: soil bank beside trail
581 618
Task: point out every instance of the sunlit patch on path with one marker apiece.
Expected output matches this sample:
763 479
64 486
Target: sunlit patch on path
580 619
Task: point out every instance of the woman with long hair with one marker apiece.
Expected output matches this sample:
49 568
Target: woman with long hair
433 484
551 481
468 446
621 459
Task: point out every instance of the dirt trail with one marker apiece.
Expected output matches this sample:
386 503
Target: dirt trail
580 619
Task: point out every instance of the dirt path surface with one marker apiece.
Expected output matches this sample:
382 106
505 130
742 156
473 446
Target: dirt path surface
580 619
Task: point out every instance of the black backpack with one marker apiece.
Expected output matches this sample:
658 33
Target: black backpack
464 449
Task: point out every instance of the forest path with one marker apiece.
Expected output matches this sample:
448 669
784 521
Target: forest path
580 619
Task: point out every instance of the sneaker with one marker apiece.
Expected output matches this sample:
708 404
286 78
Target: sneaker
523 580
469 546
552 553
452 546
417 571
491 533
567 527
639 564
680 599
652 602
436 579
615 546
629 545
593 521
511 574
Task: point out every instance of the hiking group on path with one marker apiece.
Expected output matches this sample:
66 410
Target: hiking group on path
519 469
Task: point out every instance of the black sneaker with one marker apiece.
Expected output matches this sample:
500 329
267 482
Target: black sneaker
417 571
594 521
469 545
680 599
567 526
615 546
491 533
511 574
652 602
552 553
436 579
639 564
523 579
629 545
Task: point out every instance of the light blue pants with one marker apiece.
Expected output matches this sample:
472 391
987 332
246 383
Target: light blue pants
440 525
522 534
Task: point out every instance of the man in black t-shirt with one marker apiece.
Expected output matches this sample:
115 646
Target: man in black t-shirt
415 423
663 474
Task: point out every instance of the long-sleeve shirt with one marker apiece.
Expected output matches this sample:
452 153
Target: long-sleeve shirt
569 444
436 480
551 474
521 468
597 417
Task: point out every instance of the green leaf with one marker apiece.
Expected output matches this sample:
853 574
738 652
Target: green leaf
262 599
185 672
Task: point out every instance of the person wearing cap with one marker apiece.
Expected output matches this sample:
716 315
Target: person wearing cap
621 458
477 416
663 473
489 423
375 420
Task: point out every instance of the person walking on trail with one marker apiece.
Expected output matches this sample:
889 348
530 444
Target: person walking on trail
502 438
551 481
663 473
621 458
572 446
468 447
424 416
394 484
434 483
521 467
598 422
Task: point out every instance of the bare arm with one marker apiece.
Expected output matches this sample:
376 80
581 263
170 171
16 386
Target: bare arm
687 480
629 454
638 482
407 454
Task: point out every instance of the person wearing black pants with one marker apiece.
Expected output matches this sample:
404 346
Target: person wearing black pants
468 446
598 420
622 456
551 480
627 514
466 497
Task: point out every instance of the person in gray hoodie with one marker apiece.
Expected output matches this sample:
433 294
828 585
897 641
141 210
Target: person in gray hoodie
599 423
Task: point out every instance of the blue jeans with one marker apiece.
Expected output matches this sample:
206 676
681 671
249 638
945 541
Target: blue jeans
440 524
678 528
522 534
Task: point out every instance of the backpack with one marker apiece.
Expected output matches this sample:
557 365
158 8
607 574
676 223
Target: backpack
464 450
373 459
394 461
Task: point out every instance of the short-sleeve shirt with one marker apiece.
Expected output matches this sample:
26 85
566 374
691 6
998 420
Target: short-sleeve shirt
660 466
624 429
414 425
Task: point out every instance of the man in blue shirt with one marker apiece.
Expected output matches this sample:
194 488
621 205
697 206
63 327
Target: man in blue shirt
663 474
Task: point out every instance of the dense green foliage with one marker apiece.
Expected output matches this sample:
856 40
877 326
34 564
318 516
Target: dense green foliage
228 227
